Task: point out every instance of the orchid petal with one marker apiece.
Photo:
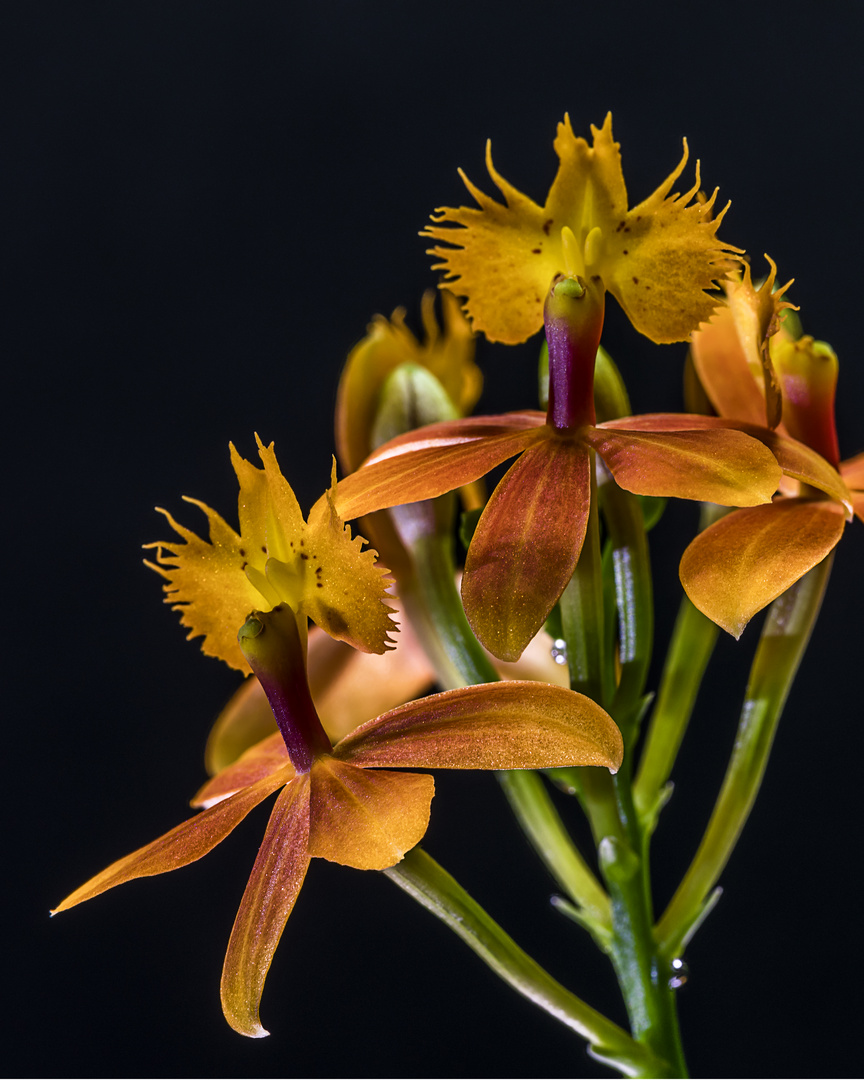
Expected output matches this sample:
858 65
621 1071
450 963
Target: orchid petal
367 820
423 468
182 845
274 884
507 725
719 466
723 370
258 762
526 545
793 457
747 559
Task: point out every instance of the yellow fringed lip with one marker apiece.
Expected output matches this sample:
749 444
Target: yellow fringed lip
657 259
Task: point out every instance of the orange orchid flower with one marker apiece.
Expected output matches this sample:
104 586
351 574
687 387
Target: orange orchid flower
741 563
530 535
345 803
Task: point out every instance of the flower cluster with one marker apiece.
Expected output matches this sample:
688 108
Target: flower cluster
331 736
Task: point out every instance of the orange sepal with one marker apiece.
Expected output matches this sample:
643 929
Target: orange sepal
434 460
256 763
367 820
793 457
507 725
747 559
719 466
182 845
526 545
274 884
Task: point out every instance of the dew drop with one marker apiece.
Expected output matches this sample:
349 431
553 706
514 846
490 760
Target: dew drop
680 973
559 651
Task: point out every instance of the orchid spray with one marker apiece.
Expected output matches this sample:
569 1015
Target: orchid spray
531 655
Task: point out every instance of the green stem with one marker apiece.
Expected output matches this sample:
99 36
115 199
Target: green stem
784 639
690 650
430 885
621 842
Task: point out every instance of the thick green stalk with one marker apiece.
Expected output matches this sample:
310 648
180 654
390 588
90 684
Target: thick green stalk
784 639
621 843
428 883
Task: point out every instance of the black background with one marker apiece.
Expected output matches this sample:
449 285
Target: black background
206 201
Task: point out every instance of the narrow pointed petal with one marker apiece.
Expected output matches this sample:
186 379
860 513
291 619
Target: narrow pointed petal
182 845
507 725
747 559
526 545
274 884
258 762
425 466
367 820
793 457
720 466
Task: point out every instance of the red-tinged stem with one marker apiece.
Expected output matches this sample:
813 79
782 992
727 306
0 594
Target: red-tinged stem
574 321
271 643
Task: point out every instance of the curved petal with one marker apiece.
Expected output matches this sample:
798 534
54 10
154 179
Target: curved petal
367 820
747 559
507 725
415 471
526 545
719 466
793 457
274 884
258 762
182 845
